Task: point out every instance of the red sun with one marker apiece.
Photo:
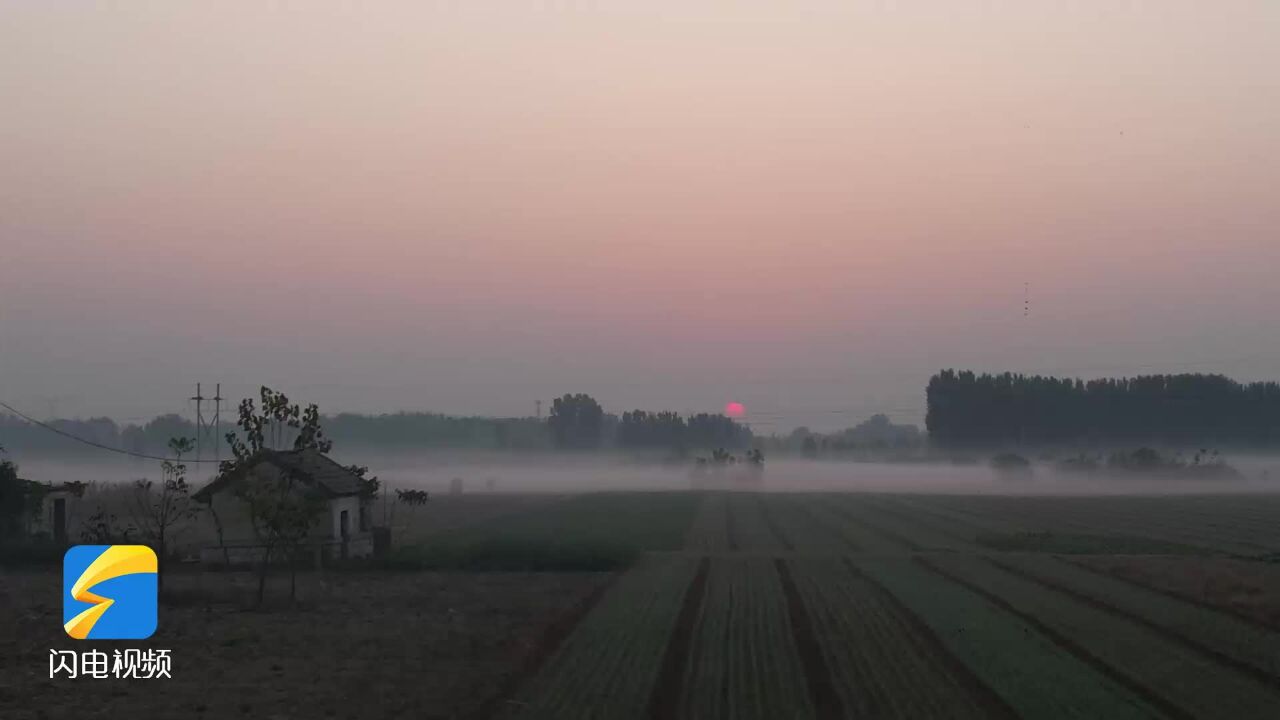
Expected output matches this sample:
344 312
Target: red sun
735 409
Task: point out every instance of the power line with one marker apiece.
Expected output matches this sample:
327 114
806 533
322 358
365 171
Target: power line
88 442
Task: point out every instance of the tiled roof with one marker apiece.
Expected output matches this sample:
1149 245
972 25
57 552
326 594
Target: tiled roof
310 465
313 466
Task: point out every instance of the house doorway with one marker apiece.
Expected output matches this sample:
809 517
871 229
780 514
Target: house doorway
60 520
344 530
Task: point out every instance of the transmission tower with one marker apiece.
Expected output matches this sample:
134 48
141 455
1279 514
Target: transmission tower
211 429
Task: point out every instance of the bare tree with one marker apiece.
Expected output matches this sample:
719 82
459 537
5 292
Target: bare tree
282 507
159 510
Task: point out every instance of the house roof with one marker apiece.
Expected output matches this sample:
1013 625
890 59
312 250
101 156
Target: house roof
309 465
33 486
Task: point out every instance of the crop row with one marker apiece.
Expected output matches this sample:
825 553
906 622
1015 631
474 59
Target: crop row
883 662
1217 633
1032 673
1165 672
752 530
744 661
900 527
1196 522
608 666
794 519
710 530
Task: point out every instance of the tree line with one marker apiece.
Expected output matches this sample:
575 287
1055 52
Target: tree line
576 422
640 429
151 437
965 408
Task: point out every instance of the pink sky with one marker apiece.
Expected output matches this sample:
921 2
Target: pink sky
805 207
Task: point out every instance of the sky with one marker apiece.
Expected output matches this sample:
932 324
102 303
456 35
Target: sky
465 207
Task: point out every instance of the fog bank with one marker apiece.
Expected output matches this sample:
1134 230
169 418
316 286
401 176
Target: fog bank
510 473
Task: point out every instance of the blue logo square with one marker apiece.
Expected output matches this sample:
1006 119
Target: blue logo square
109 592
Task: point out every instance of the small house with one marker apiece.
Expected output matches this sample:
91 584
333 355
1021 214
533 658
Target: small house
56 509
342 530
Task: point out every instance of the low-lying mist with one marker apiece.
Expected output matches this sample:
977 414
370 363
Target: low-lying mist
436 472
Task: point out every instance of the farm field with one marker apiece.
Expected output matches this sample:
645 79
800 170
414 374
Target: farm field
424 645
717 604
1242 587
822 605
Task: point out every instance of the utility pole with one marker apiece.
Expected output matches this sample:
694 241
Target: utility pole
217 423
199 419
538 409
208 429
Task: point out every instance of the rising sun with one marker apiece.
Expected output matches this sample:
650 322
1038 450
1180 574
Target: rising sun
735 409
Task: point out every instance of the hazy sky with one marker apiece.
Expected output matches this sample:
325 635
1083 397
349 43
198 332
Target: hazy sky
805 207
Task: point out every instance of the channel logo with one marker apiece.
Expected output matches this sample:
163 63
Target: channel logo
109 592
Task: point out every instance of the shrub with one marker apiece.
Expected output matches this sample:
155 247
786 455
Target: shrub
1011 462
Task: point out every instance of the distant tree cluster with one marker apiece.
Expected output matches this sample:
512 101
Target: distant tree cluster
388 430
1204 464
576 422
640 429
969 409
876 437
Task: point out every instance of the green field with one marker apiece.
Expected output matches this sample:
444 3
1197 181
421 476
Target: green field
770 605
